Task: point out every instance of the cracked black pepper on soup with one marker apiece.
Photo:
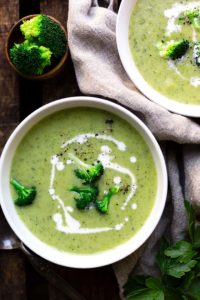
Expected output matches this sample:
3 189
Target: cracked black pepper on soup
164 38
81 138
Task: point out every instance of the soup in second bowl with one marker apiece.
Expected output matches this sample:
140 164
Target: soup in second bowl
164 38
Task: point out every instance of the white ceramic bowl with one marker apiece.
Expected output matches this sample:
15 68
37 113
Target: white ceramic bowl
48 252
126 57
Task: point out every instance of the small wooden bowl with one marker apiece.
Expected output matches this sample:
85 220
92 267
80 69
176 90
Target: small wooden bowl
15 36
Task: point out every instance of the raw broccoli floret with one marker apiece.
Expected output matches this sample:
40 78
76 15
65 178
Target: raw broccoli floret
193 17
26 195
29 58
196 53
173 49
102 205
86 196
45 32
90 174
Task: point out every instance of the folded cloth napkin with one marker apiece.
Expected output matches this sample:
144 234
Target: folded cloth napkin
92 43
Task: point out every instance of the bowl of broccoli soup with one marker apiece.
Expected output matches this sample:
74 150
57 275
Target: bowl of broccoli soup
159 46
82 182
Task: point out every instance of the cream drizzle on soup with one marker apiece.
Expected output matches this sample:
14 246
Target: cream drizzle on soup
47 157
151 22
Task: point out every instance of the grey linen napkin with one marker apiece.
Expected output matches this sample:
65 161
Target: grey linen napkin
92 43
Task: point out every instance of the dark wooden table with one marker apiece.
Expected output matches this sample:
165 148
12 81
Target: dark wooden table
18 98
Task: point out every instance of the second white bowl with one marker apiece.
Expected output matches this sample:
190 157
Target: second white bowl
127 60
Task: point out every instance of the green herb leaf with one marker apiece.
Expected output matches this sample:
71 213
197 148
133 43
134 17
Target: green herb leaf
153 283
181 250
187 280
197 268
144 288
177 269
180 269
184 297
194 290
147 295
172 293
137 283
161 259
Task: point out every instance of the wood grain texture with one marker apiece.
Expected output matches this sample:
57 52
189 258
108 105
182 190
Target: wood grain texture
93 284
96 284
65 84
17 99
12 273
5 132
9 98
62 86
55 8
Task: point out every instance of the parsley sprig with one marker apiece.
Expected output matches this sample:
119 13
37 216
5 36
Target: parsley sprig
179 266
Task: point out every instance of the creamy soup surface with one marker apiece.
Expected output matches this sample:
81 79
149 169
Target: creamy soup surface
153 21
47 157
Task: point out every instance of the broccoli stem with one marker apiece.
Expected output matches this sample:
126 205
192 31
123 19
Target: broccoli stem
25 195
102 205
78 161
86 195
16 184
87 173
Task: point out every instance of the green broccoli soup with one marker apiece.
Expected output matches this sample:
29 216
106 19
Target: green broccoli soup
83 180
164 38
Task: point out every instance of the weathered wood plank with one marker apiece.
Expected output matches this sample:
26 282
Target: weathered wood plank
97 284
93 284
65 84
12 274
37 286
30 92
55 294
62 86
5 131
9 100
56 88
56 8
12 279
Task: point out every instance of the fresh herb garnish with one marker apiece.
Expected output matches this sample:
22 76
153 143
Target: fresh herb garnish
179 266
26 195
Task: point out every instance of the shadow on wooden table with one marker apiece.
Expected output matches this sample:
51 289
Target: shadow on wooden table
18 98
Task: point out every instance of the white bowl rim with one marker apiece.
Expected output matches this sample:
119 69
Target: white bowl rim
123 18
50 253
